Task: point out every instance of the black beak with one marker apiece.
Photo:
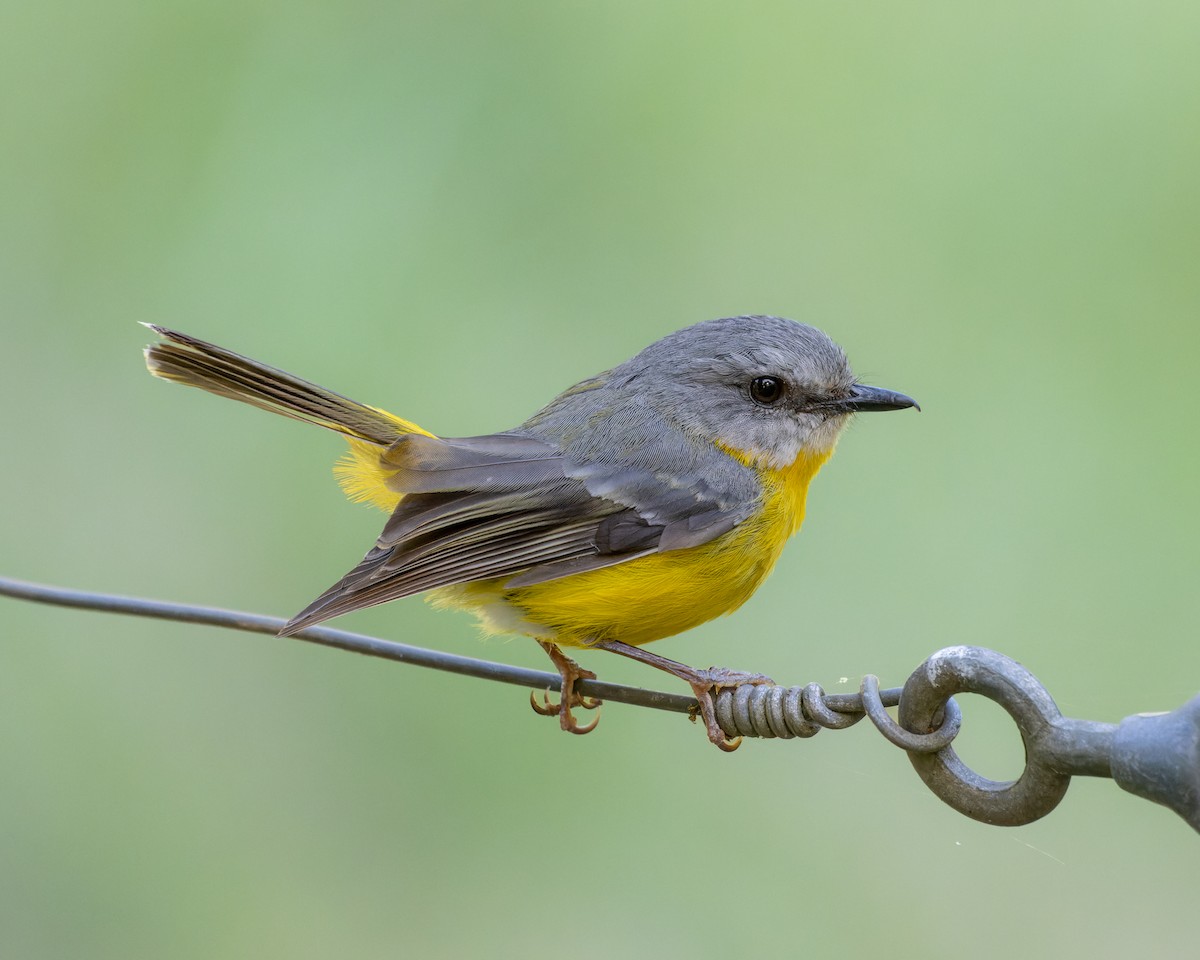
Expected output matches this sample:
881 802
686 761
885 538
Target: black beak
863 398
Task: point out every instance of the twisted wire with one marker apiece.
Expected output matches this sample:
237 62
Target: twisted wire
771 711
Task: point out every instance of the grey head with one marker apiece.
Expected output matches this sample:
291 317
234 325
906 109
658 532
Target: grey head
763 388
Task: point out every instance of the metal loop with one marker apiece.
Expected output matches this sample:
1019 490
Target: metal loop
932 742
978 670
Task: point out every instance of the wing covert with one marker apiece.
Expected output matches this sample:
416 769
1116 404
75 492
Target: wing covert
511 505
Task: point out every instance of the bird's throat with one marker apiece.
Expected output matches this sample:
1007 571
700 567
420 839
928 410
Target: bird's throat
785 491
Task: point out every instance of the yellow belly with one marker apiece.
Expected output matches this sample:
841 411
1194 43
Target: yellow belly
654 596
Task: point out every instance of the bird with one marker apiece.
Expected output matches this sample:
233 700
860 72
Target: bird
637 504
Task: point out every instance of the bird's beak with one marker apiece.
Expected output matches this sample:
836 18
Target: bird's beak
863 398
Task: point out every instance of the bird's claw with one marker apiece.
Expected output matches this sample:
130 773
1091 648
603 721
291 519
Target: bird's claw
568 722
547 708
562 710
570 672
705 685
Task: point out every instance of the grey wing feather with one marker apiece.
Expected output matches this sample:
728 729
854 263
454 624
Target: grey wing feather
500 462
511 505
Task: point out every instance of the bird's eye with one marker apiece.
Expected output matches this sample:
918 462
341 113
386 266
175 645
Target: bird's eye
766 390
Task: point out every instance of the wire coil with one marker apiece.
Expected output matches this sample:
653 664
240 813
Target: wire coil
770 711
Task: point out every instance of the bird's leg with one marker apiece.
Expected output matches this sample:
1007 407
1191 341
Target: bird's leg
704 684
570 671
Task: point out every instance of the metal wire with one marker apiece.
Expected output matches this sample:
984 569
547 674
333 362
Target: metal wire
1156 757
837 710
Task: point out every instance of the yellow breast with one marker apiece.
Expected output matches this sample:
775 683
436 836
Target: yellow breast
654 596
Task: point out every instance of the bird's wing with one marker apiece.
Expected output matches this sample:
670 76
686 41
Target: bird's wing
512 506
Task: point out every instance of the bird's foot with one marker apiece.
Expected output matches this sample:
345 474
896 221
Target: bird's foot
705 685
570 672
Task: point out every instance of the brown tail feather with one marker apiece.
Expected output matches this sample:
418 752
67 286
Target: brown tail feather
196 363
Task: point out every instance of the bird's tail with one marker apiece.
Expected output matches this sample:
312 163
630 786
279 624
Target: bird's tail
196 363
369 430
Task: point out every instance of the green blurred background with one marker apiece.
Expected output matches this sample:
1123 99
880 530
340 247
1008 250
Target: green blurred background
455 210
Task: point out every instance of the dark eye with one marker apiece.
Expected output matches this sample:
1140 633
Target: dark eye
766 390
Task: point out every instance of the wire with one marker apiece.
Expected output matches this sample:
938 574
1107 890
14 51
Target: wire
339 639
1153 756
848 705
